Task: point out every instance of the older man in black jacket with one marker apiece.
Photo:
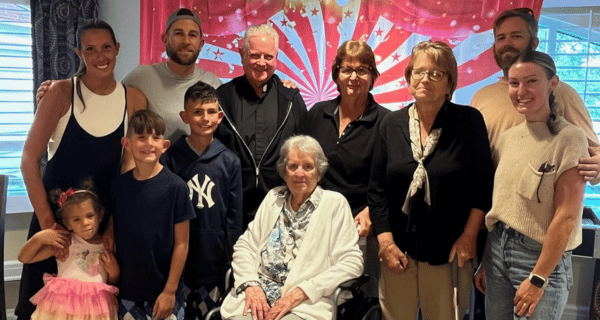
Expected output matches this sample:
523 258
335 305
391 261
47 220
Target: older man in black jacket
260 114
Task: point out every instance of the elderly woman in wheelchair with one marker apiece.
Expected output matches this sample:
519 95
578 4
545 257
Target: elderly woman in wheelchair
300 247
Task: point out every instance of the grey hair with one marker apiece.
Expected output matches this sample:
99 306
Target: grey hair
260 30
306 144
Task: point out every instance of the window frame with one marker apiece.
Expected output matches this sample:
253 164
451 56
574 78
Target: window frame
15 132
551 28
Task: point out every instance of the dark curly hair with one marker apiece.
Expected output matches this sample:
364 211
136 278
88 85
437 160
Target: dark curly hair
78 197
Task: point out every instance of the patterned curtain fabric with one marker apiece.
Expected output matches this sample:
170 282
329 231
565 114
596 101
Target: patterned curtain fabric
311 31
53 30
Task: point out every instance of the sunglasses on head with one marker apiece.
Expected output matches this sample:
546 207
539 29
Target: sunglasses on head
528 11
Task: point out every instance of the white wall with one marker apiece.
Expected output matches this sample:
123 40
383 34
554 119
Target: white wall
124 17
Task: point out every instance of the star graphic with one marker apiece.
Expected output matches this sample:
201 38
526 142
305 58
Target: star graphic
379 32
314 11
348 14
402 83
218 54
283 23
396 56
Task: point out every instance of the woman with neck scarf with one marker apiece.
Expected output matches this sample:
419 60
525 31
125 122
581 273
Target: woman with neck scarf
430 187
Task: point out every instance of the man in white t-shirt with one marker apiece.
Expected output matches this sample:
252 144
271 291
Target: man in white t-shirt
165 83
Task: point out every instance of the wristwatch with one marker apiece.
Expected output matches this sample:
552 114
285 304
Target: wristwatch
245 285
538 280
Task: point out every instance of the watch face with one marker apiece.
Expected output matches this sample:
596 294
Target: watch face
537 281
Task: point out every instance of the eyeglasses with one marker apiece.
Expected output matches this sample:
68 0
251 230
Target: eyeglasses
434 75
528 11
362 72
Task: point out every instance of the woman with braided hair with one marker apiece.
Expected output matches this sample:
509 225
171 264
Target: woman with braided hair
535 220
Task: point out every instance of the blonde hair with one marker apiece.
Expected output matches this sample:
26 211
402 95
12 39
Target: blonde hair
442 55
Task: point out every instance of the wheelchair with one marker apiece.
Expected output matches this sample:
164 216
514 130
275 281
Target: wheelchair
341 311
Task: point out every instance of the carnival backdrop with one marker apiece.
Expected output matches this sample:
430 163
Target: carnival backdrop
311 31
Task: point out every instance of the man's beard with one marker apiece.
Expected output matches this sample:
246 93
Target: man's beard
504 60
172 54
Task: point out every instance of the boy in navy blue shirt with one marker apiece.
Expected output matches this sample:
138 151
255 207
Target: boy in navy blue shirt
213 176
151 213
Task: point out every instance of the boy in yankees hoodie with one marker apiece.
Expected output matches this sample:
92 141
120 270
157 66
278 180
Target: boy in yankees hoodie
213 176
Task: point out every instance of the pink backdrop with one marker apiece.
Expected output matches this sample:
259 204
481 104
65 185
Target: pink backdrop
311 31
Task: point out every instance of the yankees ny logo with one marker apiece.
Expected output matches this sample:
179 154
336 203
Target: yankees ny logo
204 191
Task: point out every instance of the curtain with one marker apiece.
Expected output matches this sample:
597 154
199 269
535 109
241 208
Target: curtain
53 31
312 30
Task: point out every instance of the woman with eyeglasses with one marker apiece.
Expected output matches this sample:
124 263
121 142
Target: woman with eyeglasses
430 187
535 221
345 127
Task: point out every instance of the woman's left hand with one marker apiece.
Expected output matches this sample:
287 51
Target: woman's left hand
465 248
527 298
363 219
61 254
288 302
108 262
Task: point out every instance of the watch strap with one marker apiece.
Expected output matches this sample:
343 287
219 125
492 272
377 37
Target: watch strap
245 285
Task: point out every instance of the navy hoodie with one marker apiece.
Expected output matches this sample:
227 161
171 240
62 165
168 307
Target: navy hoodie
214 181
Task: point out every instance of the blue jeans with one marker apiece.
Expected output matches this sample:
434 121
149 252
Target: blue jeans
509 259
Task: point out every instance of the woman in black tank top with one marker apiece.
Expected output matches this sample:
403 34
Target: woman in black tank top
80 155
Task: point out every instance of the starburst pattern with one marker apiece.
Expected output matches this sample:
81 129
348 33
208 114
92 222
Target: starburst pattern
311 31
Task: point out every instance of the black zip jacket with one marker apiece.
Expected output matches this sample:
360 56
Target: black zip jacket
258 177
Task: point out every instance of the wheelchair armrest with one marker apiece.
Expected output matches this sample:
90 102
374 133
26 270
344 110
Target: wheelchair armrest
351 285
228 281
213 314
355 283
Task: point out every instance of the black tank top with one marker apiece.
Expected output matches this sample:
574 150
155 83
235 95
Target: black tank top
80 155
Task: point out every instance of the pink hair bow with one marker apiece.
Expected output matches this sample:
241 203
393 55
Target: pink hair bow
64 196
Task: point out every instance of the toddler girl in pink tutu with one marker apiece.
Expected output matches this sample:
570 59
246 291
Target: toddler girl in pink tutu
80 290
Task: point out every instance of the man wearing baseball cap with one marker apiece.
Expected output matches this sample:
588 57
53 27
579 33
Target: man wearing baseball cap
165 83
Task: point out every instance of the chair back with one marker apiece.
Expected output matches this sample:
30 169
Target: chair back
3 196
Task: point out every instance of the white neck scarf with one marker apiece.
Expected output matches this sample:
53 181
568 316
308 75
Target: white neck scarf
420 179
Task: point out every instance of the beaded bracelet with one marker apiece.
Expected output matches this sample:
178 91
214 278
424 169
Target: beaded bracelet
385 247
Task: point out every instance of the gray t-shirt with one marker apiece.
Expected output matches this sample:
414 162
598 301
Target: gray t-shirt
165 90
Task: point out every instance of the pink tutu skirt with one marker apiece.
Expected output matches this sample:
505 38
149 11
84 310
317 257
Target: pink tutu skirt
72 299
